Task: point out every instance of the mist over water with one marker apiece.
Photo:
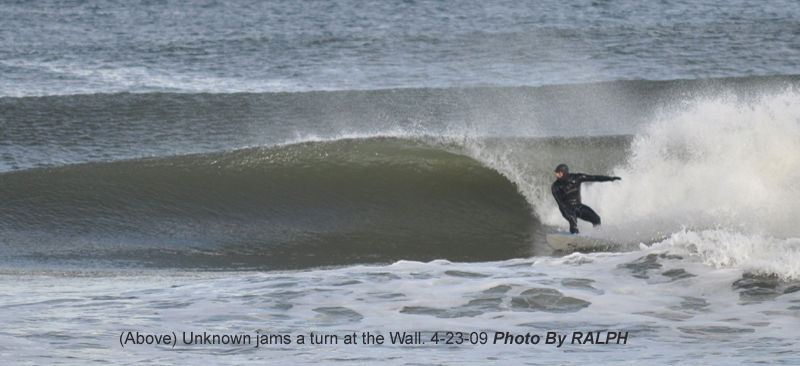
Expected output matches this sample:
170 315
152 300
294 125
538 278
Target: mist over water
728 172
734 161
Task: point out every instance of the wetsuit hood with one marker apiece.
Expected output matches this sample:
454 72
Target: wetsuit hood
564 169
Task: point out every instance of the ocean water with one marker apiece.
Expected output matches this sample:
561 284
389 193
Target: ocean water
358 182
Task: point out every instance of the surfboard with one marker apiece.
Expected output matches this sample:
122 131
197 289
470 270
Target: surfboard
566 242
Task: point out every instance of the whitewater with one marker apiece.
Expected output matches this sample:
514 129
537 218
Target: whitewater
311 183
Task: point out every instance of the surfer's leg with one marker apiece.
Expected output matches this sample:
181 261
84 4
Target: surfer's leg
573 221
573 225
571 216
587 214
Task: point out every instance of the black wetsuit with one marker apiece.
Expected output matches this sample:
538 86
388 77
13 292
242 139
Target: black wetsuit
567 192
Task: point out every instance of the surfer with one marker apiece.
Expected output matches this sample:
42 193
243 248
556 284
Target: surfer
567 192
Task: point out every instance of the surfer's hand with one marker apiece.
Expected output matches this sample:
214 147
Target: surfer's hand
615 178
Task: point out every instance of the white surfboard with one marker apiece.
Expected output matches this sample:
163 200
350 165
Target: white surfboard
566 242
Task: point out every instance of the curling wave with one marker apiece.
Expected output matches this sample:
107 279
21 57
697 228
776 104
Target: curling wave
293 206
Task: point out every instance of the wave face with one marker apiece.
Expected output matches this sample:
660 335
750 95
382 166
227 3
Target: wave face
293 206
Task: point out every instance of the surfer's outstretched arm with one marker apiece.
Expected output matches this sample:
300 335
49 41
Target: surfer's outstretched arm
599 178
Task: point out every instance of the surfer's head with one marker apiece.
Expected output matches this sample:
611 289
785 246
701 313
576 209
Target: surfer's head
562 170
